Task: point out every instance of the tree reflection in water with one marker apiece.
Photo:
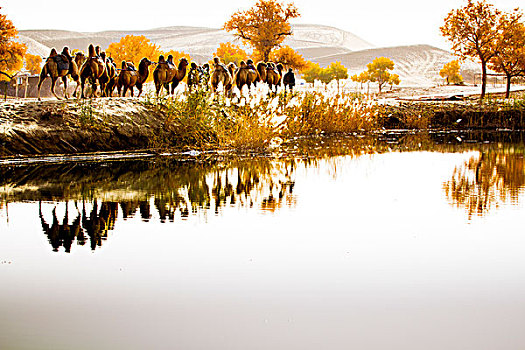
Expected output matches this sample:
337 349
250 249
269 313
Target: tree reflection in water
488 180
166 190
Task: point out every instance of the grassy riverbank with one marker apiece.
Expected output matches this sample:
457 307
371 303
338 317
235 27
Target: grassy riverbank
201 121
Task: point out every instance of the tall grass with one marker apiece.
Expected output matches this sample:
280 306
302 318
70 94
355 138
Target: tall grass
252 120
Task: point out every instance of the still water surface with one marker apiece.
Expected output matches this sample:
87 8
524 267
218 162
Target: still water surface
390 242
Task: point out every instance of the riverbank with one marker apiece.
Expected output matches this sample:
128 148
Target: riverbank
30 127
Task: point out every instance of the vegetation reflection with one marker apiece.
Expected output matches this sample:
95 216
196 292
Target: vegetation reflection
487 180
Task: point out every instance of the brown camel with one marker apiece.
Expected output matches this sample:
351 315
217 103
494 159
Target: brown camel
273 76
112 70
220 75
261 69
93 68
166 72
129 77
59 66
246 74
108 77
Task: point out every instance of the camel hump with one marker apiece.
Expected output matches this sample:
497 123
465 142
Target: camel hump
123 65
91 50
53 52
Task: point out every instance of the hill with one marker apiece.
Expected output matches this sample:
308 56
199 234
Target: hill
417 65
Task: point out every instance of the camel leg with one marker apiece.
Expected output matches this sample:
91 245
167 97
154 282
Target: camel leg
53 82
40 81
174 85
77 80
139 87
94 88
64 80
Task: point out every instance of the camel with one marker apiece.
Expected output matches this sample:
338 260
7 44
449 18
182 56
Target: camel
261 69
59 66
273 76
112 70
166 73
220 74
108 77
246 74
93 68
129 77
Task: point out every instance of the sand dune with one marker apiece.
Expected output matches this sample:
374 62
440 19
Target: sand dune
416 65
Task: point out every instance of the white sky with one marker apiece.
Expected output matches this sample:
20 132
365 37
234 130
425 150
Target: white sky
382 23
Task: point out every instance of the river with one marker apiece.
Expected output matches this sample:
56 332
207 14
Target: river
391 241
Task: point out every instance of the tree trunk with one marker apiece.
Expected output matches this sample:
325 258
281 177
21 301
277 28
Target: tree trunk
507 92
483 78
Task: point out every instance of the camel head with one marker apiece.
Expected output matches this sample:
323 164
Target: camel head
242 64
98 50
193 65
216 61
124 65
249 61
183 63
280 67
161 59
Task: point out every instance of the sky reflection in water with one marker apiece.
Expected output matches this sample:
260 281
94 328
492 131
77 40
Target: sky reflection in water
345 243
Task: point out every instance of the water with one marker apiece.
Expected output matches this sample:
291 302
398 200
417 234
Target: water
390 242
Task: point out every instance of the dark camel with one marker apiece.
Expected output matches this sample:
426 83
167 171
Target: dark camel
273 76
93 68
59 66
261 69
246 74
166 72
129 77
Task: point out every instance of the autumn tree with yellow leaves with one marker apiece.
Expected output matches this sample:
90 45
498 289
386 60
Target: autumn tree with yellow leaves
378 72
11 52
289 58
450 72
510 57
264 26
473 32
229 52
132 48
33 63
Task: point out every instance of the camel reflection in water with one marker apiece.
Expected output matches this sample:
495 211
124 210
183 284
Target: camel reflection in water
169 195
486 181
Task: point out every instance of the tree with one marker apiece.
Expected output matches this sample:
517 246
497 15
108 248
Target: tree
394 80
312 72
229 52
378 71
362 78
132 48
264 26
473 32
510 58
337 71
11 52
289 58
450 71
33 63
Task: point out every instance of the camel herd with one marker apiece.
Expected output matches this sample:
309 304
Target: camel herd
102 73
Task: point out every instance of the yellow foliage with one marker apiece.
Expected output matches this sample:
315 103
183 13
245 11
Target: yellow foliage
33 63
229 52
473 31
450 71
11 52
289 58
264 26
132 48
